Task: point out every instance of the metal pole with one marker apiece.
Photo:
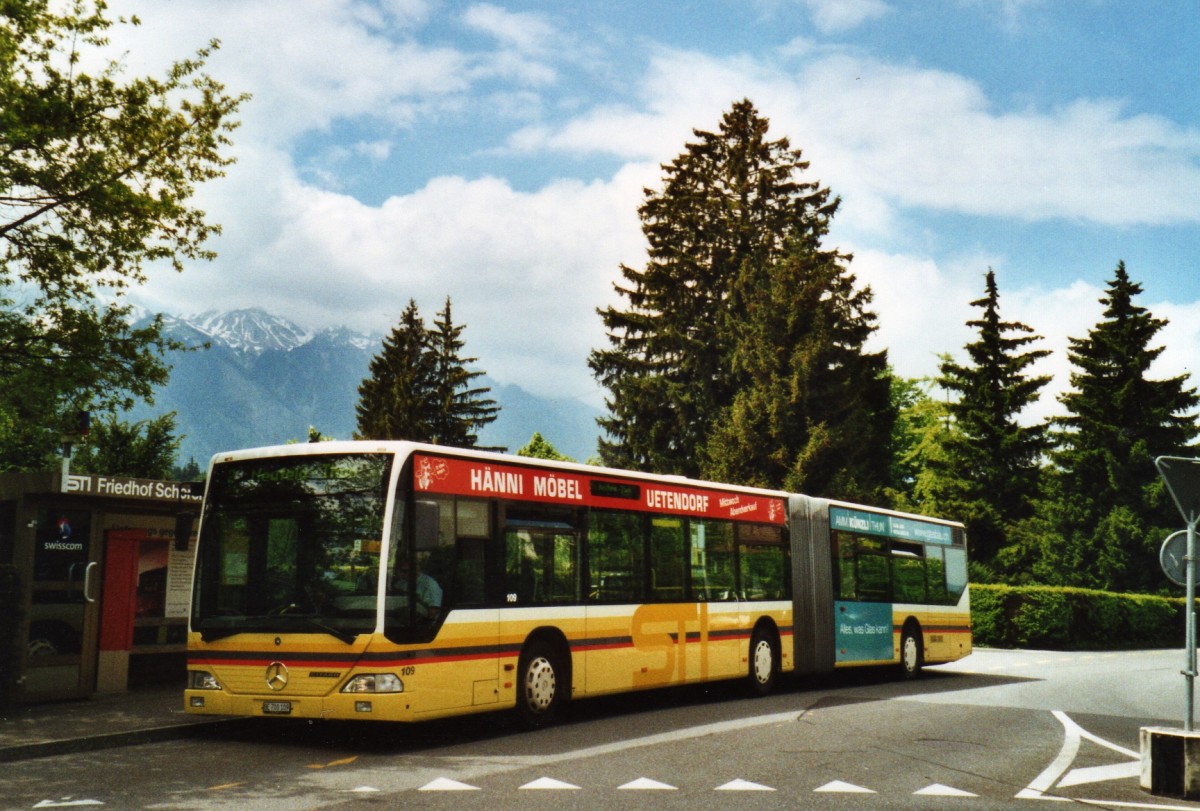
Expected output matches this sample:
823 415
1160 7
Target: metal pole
1190 625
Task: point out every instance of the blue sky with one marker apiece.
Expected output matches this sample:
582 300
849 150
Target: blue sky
496 153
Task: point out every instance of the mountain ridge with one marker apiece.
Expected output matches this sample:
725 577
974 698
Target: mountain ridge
263 380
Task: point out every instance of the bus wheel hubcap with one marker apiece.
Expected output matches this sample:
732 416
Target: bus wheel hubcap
762 662
910 653
539 685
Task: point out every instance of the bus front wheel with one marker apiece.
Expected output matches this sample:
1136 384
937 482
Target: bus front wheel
541 684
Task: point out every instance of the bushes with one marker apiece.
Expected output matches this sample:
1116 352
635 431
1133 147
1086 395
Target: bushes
1073 619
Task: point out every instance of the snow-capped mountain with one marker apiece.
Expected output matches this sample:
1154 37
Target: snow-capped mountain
252 330
264 380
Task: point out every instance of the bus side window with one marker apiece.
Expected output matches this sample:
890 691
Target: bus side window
935 571
666 559
847 572
908 572
616 557
874 575
763 562
956 573
712 560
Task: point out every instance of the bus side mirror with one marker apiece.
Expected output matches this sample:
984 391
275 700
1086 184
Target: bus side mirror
425 529
183 530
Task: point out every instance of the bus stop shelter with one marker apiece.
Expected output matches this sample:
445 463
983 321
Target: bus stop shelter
103 588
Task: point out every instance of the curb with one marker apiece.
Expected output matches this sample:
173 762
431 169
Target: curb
112 740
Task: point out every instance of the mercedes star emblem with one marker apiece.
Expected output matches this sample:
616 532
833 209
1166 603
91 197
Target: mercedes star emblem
277 676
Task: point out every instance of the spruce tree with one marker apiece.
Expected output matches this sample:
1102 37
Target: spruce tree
813 412
398 399
731 201
462 410
419 387
992 460
1108 502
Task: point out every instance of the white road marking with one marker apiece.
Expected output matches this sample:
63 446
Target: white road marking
446 784
837 786
1073 735
549 784
938 790
1096 774
743 785
646 784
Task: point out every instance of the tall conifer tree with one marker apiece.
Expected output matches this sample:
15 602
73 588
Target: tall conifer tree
992 461
731 201
462 407
419 387
1106 497
813 412
396 400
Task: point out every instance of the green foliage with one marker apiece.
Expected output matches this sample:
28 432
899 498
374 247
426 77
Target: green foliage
730 202
145 449
1072 618
1105 499
462 408
539 447
991 461
189 472
739 353
419 388
12 598
96 175
814 410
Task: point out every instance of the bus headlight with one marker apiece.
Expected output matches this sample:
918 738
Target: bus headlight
202 680
374 683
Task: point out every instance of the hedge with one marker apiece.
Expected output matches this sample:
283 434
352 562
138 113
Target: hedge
1073 619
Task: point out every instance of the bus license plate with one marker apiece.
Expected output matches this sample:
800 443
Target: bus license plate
277 707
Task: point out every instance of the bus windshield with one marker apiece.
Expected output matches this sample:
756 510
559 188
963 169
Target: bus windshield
292 545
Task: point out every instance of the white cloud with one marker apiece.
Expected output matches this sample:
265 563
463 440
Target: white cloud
835 16
525 271
894 136
527 268
318 63
528 33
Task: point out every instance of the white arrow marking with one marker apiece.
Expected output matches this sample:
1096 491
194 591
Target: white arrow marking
364 789
1096 774
446 784
743 785
549 784
1073 735
1066 755
844 788
938 790
646 784
66 802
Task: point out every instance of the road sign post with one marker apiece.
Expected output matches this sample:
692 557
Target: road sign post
1171 757
1182 477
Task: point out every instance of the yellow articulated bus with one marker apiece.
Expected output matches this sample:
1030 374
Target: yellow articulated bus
396 581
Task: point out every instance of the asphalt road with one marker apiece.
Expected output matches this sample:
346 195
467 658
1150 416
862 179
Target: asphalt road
1001 729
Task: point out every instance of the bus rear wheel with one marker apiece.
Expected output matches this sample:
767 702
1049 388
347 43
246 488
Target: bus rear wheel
764 668
911 655
541 684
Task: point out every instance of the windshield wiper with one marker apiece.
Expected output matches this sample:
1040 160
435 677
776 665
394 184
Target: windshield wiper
339 633
213 634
